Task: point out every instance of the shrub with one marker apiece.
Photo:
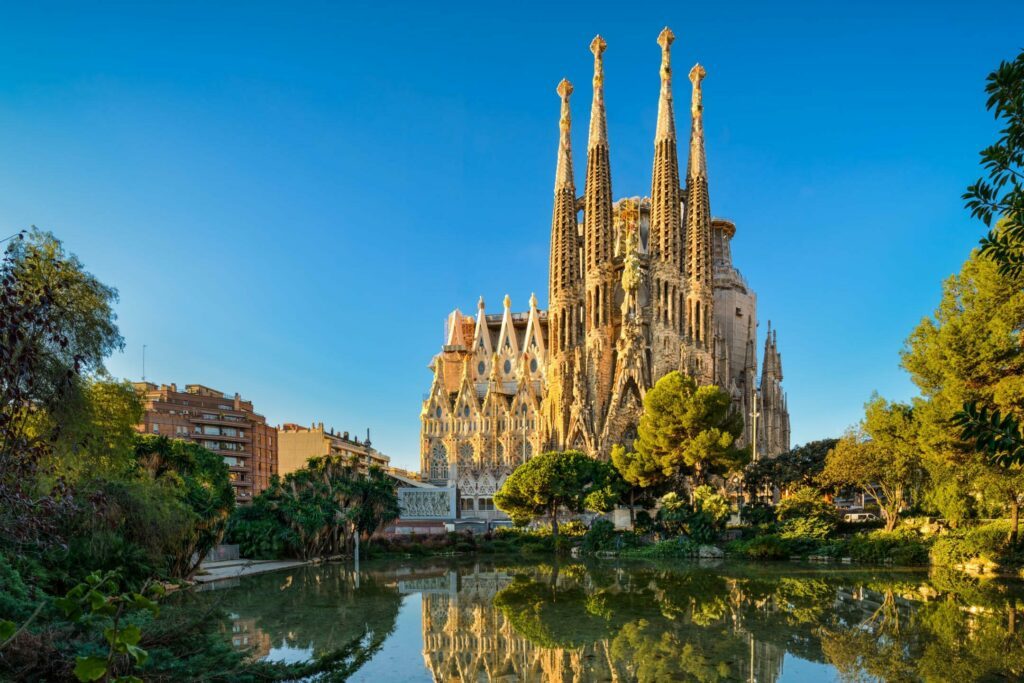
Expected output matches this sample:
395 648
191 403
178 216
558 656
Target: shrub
901 546
985 544
643 522
757 514
573 527
807 503
813 528
714 505
601 536
768 547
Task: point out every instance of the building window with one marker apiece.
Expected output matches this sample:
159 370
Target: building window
156 428
438 461
486 504
467 504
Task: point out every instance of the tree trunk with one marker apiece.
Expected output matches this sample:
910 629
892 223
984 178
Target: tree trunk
1014 520
890 521
554 521
632 516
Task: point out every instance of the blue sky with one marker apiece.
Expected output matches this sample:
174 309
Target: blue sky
291 197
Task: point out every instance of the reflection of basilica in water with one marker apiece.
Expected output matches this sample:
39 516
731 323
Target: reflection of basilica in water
469 637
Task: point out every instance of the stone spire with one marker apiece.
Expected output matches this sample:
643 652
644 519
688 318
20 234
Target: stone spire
597 212
698 206
665 239
565 287
565 273
665 224
598 235
699 268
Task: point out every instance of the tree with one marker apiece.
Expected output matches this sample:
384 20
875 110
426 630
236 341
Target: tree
881 456
796 468
554 480
1000 198
971 351
56 323
315 511
202 479
641 474
97 435
689 430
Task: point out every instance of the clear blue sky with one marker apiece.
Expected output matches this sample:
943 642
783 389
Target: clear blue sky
291 197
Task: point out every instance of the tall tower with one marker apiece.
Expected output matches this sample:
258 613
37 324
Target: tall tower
565 286
665 243
699 267
597 250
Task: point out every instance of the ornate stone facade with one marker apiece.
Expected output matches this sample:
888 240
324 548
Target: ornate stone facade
640 287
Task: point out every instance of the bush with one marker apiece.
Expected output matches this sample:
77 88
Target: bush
809 528
714 505
901 546
807 503
601 536
768 547
573 527
757 514
985 544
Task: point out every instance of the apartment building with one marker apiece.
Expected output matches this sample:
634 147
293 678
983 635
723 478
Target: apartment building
223 423
297 444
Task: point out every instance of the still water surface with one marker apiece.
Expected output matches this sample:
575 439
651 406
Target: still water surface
515 620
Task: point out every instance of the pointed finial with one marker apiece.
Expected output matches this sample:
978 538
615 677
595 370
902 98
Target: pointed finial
665 40
666 129
698 163
480 304
563 171
697 74
508 302
564 89
598 120
533 300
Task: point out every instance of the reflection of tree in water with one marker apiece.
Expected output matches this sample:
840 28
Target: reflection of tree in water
314 608
955 628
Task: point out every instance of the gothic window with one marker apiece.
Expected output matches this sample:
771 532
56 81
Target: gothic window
508 366
465 453
437 412
501 453
480 368
533 365
528 450
438 461
465 411
577 443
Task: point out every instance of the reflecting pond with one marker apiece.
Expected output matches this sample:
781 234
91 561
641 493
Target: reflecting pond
514 620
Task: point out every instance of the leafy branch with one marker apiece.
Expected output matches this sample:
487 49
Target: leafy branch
997 436
1000 197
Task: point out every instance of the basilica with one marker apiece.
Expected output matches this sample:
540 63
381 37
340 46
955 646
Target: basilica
637 287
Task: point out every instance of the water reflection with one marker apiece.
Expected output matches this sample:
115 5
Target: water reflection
510 621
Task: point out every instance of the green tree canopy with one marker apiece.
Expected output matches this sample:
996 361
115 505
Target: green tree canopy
550 481
794 469
969 351
881 456
688 430
1000 197
316 510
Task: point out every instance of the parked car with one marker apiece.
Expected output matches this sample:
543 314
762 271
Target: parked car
858 517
